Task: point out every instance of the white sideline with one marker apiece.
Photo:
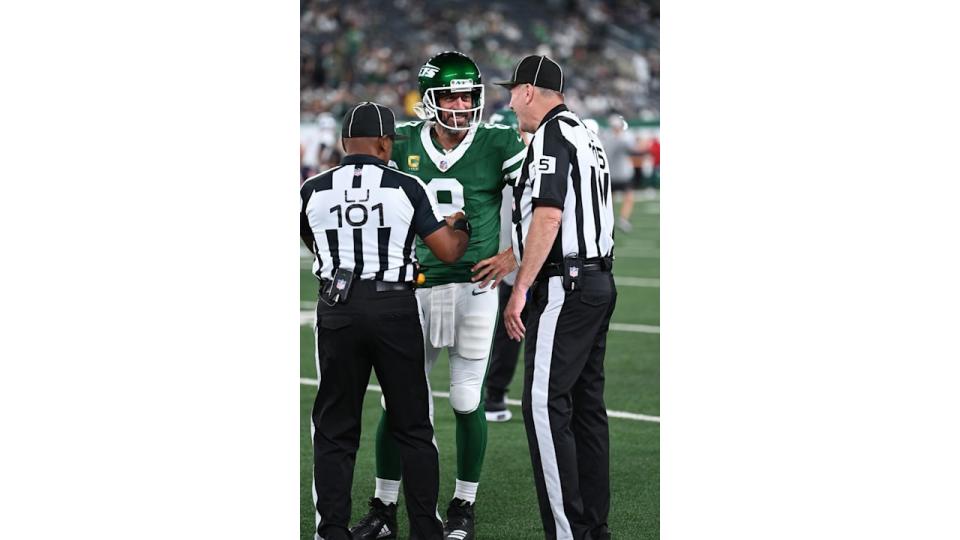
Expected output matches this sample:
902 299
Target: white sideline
630 281
612 414
307 319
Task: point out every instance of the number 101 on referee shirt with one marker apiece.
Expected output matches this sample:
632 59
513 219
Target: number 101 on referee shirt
356 213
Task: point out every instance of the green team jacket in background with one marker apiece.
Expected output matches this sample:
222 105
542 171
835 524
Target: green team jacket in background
469 178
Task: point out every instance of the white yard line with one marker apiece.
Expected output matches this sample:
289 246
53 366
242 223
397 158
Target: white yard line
612 414
307 319
636 254
641 328
629 281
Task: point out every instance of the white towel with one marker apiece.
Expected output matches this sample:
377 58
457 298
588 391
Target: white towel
442 319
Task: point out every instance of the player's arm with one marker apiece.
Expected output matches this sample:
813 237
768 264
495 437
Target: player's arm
514 152
447 238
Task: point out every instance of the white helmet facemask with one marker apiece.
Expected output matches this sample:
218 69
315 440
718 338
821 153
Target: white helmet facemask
430 110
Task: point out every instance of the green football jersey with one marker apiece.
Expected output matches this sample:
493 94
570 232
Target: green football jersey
468 178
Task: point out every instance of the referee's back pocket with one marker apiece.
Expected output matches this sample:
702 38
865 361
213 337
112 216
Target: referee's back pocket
594 298
334 322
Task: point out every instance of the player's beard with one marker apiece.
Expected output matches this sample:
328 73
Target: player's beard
458 120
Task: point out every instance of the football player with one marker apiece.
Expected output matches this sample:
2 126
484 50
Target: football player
465 163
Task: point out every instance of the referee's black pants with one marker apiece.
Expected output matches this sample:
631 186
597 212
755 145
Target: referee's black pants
563 408
380 330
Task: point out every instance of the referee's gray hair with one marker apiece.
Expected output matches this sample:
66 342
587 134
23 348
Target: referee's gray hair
546 92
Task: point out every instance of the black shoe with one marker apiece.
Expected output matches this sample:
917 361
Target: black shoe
495 407
497 411
333 534
600 533
380 522
459 525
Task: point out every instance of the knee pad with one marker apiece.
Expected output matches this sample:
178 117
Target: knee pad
465 398
466 383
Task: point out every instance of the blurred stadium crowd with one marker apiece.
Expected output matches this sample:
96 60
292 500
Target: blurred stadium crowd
370 50
360 50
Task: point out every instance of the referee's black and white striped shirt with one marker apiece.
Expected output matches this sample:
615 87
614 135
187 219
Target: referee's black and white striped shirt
567 168
362 216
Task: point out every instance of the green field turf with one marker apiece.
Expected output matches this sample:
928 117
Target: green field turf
506 502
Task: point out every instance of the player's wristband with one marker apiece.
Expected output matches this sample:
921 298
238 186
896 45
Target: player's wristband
462 225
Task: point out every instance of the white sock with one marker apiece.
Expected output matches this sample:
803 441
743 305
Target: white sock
466 491
388 491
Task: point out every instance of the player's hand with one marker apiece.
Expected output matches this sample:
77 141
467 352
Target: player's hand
494 268
511 314
452 218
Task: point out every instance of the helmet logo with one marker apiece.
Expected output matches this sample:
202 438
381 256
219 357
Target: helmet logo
461 85
428 70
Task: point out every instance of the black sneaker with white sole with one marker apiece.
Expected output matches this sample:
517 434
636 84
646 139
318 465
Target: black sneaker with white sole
459 525
380 522
495 406
497 411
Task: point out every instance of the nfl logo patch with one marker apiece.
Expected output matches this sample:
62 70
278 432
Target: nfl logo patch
574 271
443 165
358 172
341 284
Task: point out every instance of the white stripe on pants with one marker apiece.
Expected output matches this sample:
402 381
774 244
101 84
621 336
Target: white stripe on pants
538 399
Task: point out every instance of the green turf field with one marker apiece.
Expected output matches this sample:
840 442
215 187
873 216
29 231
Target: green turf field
507 502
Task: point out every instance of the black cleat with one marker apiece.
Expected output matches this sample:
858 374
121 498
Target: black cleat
380 522
459 525
335 534
495 407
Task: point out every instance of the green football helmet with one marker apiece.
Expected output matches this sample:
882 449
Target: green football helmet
449 71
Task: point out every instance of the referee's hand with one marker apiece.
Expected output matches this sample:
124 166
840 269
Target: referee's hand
511 313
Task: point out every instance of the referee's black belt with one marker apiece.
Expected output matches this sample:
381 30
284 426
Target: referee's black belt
376 285
596 264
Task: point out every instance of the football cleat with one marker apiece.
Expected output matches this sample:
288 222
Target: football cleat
497 411
459 525
380 522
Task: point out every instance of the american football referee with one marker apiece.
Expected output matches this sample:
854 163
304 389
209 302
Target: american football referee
563 238
360 219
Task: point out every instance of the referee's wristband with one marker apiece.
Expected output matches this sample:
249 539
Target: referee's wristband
462 225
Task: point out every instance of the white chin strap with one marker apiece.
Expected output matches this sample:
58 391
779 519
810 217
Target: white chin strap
428 110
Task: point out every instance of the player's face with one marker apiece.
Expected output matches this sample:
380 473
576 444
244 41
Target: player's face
458 101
